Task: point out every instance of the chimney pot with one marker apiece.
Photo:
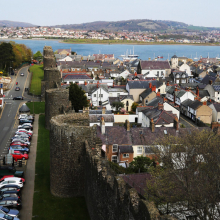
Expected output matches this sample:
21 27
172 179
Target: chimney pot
152 125
102 125
150 85
176 124
210 82
128 127
168 83
103 110
153 88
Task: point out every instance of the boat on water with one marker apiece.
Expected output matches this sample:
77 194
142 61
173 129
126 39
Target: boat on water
129 56
196 58
218 58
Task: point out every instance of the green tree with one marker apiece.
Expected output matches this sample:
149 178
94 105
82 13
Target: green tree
189 173
77 97
141 164
117 105
6 55
37 55
134 106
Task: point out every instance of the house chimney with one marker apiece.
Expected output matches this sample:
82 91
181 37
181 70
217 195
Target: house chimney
210 82
85 83
103 110
164 99
97 84
135 74
168 83
102 126
153 88
127 124
86 110
152 125
160 106
150 85
197 91
175 90
158 93
205 103
176 124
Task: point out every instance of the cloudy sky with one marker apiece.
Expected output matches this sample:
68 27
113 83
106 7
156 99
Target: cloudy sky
54 12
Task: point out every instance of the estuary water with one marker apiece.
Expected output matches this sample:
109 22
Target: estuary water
144 51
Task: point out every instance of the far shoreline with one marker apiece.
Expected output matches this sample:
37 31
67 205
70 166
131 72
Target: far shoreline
114 43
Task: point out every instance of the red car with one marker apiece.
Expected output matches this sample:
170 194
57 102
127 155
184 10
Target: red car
18 143
9 176
17 155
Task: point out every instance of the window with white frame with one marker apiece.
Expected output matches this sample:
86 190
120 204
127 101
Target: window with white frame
139 150
115 148
125 155
100 95
94 95
118 94
114 159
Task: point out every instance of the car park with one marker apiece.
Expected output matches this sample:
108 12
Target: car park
17 88
13 203
10 212
19 148
18 98
11 182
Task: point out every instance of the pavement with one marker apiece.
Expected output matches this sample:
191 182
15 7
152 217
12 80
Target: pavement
187 122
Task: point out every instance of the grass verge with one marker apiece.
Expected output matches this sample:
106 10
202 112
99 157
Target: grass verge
38 75
38 107
47 206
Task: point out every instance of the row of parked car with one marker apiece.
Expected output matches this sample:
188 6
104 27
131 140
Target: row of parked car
11 185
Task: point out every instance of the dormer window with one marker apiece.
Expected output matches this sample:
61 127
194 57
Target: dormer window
115 148
177 76
183 76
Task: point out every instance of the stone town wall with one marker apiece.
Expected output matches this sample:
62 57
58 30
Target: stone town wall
77 169
67 161
56 102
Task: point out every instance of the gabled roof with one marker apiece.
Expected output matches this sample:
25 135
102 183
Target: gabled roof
145 93
125 149
90 88
180 93
187 102
143 84
122 97
154 65
195 104
206 79
154 102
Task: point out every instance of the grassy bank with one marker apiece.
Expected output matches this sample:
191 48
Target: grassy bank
47 206
38 75
94 41
38 107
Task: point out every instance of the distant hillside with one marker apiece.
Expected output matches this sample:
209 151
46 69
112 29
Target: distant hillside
135 25
5 23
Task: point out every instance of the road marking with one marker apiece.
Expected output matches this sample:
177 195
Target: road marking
25 83
188 122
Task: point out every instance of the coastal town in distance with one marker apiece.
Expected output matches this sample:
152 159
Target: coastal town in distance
114 137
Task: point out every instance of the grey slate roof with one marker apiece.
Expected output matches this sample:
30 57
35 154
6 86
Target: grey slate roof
216 87
90 88
143 84
180 93
122 97
206 79
154 102
174 56
76 76
99 112
154 65
113 99
125 149
195 104
187 102
145 93
217 106
97 118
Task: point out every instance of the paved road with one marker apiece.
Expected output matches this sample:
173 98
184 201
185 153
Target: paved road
8 121
187 122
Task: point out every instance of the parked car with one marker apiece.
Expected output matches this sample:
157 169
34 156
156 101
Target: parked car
18 98
24 150
7 217
22 116
21 134
13 203
25 131
17 155
19 143
26 139
25 126
10 186
11 182
11 177
7 195
22 121
20 140
13 188
22 74
17 88
10 212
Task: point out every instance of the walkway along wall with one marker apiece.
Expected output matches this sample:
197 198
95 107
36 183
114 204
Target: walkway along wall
77 169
